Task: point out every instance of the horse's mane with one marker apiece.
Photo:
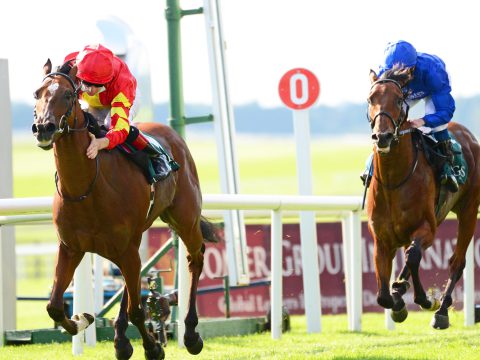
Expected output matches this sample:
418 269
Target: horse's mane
397 73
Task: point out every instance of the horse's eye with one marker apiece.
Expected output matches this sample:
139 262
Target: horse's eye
35 95
399 103
68 95
369 101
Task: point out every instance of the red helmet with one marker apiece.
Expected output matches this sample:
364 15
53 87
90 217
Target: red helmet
95 64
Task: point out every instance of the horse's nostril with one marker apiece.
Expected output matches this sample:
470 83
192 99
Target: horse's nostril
50 127
34 128
374 137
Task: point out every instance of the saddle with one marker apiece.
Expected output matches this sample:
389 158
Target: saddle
154 168
436 159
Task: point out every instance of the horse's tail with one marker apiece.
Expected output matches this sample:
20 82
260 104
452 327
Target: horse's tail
209 231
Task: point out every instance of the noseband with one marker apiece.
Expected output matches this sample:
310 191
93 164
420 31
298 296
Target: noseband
401 118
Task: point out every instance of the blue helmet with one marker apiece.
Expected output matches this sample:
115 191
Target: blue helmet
400 52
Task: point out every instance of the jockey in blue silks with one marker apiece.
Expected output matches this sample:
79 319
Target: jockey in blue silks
431 83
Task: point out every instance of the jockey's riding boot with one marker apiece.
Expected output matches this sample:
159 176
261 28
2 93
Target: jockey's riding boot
447 176
366 175
162 164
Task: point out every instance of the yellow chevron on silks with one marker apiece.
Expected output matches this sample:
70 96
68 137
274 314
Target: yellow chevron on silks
121 98
93 101
120 111
121 124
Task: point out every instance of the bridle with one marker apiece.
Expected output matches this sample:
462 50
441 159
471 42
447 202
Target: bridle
63 123
402 117
62 126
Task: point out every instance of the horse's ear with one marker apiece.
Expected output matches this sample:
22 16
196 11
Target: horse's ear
73 72
373 76
47 68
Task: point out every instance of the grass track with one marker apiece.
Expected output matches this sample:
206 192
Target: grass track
413 339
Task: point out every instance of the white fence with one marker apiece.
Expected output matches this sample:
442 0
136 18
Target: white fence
348 208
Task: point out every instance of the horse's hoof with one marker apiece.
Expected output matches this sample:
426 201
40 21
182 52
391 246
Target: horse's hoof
440 322
123 350
155 353
399 316
195 348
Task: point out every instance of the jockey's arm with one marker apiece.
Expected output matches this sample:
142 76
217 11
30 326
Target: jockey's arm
120 125
444 109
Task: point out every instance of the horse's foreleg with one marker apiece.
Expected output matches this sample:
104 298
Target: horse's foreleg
123 348
67 262
130 265
399 288
383 269
466 229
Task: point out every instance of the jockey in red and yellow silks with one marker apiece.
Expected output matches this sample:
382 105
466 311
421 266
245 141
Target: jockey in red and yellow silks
99 66
108 86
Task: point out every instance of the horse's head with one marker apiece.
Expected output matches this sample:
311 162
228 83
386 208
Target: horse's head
386 110
55 102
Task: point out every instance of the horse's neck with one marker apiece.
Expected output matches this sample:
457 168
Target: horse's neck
394 167
75 170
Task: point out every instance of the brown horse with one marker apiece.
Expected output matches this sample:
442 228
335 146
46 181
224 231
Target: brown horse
403 197
101 206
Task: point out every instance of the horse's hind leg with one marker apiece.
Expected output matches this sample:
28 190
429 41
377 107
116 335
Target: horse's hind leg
123 348
130 265
187 222
67 262
466 229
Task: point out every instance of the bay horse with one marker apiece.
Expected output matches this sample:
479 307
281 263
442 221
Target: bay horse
402 200
102 206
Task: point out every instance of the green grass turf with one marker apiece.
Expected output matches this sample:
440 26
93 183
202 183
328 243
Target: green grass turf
413 339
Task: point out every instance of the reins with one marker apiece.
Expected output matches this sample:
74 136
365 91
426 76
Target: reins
89 190
60 130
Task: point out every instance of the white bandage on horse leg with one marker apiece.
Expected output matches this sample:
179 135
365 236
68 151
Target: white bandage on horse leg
81 321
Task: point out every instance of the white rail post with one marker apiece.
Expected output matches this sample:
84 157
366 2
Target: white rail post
389 323
276 275
8 290
356 269
98 281
352 253
347 249
83 303
183 290
224 124
469 286
308 230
